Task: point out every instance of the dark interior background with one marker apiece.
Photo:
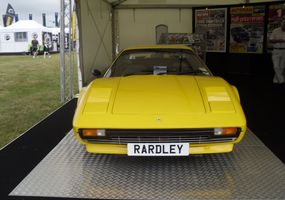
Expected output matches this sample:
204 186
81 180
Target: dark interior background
263 102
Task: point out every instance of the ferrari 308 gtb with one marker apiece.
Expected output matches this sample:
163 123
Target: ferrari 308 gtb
159 100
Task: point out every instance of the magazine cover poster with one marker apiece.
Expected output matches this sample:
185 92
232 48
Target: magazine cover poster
47 39
275 16
212 23
247 29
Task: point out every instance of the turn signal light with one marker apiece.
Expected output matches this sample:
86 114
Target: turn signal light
87 133
229 131
225 131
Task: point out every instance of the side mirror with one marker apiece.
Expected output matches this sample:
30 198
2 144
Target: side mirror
96 73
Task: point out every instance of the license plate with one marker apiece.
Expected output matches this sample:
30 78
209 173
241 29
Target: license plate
158 149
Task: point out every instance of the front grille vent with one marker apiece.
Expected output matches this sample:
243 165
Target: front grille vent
194 136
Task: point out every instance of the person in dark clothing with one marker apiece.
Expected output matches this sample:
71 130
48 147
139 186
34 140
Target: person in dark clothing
35 47
46 49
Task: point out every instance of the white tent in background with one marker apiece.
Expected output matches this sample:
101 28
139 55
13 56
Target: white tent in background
57 30
17 37
1 27
55 37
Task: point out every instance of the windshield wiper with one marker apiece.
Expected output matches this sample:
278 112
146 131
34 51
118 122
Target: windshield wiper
130 74
134 74
194 72
138 73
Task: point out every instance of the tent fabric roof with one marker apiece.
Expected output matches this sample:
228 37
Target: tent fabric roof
29 25
56 30
26 25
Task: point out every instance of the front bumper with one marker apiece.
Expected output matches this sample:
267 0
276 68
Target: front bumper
194 148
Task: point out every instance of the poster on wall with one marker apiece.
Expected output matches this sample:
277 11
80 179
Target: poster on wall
195 41
247 29
275 15
47 39
212 23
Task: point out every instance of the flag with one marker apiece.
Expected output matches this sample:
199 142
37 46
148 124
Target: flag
4 19
10 14
73 25
56 19
44 19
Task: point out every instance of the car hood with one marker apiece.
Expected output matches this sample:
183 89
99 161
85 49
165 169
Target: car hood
158 95
136 97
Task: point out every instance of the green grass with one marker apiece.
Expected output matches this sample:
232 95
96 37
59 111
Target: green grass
29 91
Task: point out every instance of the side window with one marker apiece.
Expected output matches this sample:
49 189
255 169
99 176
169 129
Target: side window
21 37
160 30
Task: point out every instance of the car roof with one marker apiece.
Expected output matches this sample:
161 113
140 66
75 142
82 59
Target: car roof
163 46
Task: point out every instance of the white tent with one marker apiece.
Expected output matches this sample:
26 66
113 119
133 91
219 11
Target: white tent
17 37
131 22
57 30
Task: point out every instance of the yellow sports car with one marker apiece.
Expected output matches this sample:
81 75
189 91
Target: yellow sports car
159 101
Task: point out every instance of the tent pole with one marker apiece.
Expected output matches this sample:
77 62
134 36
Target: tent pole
62 54
70 51
79 74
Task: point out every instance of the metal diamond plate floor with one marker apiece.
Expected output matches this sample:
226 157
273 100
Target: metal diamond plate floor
252 171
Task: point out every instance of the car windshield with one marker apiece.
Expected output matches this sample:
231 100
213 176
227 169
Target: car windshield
158 62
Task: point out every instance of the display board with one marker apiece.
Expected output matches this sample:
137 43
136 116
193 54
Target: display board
276 13
47 39
247 29
194 40
212 23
